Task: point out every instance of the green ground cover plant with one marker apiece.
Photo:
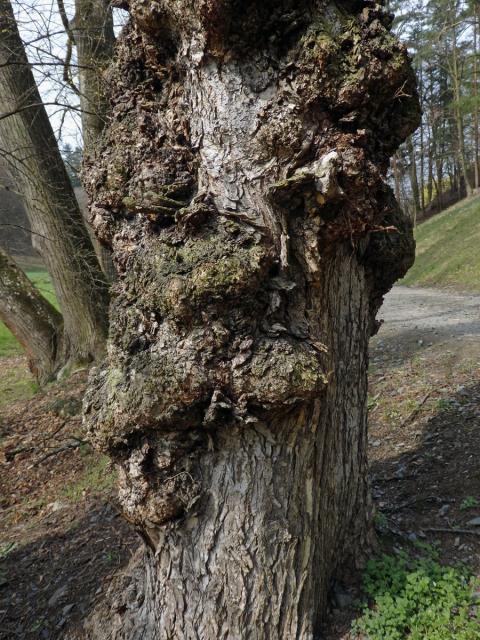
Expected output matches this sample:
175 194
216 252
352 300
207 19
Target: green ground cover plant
414 597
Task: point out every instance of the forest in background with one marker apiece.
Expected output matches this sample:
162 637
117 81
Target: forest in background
439 164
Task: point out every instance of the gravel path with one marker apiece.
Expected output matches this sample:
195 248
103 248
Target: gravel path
414 313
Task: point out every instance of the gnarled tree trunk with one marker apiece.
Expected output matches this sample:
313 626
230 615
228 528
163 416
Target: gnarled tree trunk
58 232
35 323
242 189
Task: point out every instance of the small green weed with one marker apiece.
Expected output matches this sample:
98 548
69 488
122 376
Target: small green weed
112 557
416 598
393 416
36 626
96 478
444 404
381 522
470 502
6 548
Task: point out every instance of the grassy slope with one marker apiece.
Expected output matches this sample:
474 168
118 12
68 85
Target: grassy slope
8 345
448 249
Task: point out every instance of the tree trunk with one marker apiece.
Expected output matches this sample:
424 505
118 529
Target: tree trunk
422 141
92 29
430 179
94 38
35 323
58 231
476 120
242 187
413 180
397 177
457 92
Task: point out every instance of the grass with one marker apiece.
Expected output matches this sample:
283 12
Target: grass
17 384
8 344
447 249
97 477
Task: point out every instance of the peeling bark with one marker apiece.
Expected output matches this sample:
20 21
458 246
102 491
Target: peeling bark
242 188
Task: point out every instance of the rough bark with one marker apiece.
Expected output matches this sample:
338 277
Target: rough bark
242 188
413 180
58 231
36 324
92 29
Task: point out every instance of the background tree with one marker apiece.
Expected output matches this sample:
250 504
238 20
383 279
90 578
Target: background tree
241 185
91 32
59 234
36 324
440 163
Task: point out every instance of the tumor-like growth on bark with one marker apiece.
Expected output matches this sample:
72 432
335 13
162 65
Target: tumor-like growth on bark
241 186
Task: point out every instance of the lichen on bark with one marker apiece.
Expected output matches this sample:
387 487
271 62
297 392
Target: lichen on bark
241 186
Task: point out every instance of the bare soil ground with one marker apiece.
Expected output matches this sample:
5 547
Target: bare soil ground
61 536
62 541
424 433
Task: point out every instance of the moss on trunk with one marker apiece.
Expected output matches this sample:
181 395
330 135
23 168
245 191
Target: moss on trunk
233 398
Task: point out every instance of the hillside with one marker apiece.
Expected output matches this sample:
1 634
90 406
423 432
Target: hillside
448 249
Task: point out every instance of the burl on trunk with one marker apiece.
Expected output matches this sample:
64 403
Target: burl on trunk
242 188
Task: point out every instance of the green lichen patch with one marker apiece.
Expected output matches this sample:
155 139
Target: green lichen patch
176 280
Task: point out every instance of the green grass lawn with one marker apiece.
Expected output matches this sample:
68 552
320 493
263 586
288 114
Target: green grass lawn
8 344
448 249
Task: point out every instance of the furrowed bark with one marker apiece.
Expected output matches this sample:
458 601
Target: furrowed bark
35 323
95 41
58 232
92 29
242 188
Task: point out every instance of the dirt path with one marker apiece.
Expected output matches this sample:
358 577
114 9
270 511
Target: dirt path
427 323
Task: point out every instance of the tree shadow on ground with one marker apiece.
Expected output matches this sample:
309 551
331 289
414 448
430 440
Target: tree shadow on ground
420 493
408 343
50 585
424 487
